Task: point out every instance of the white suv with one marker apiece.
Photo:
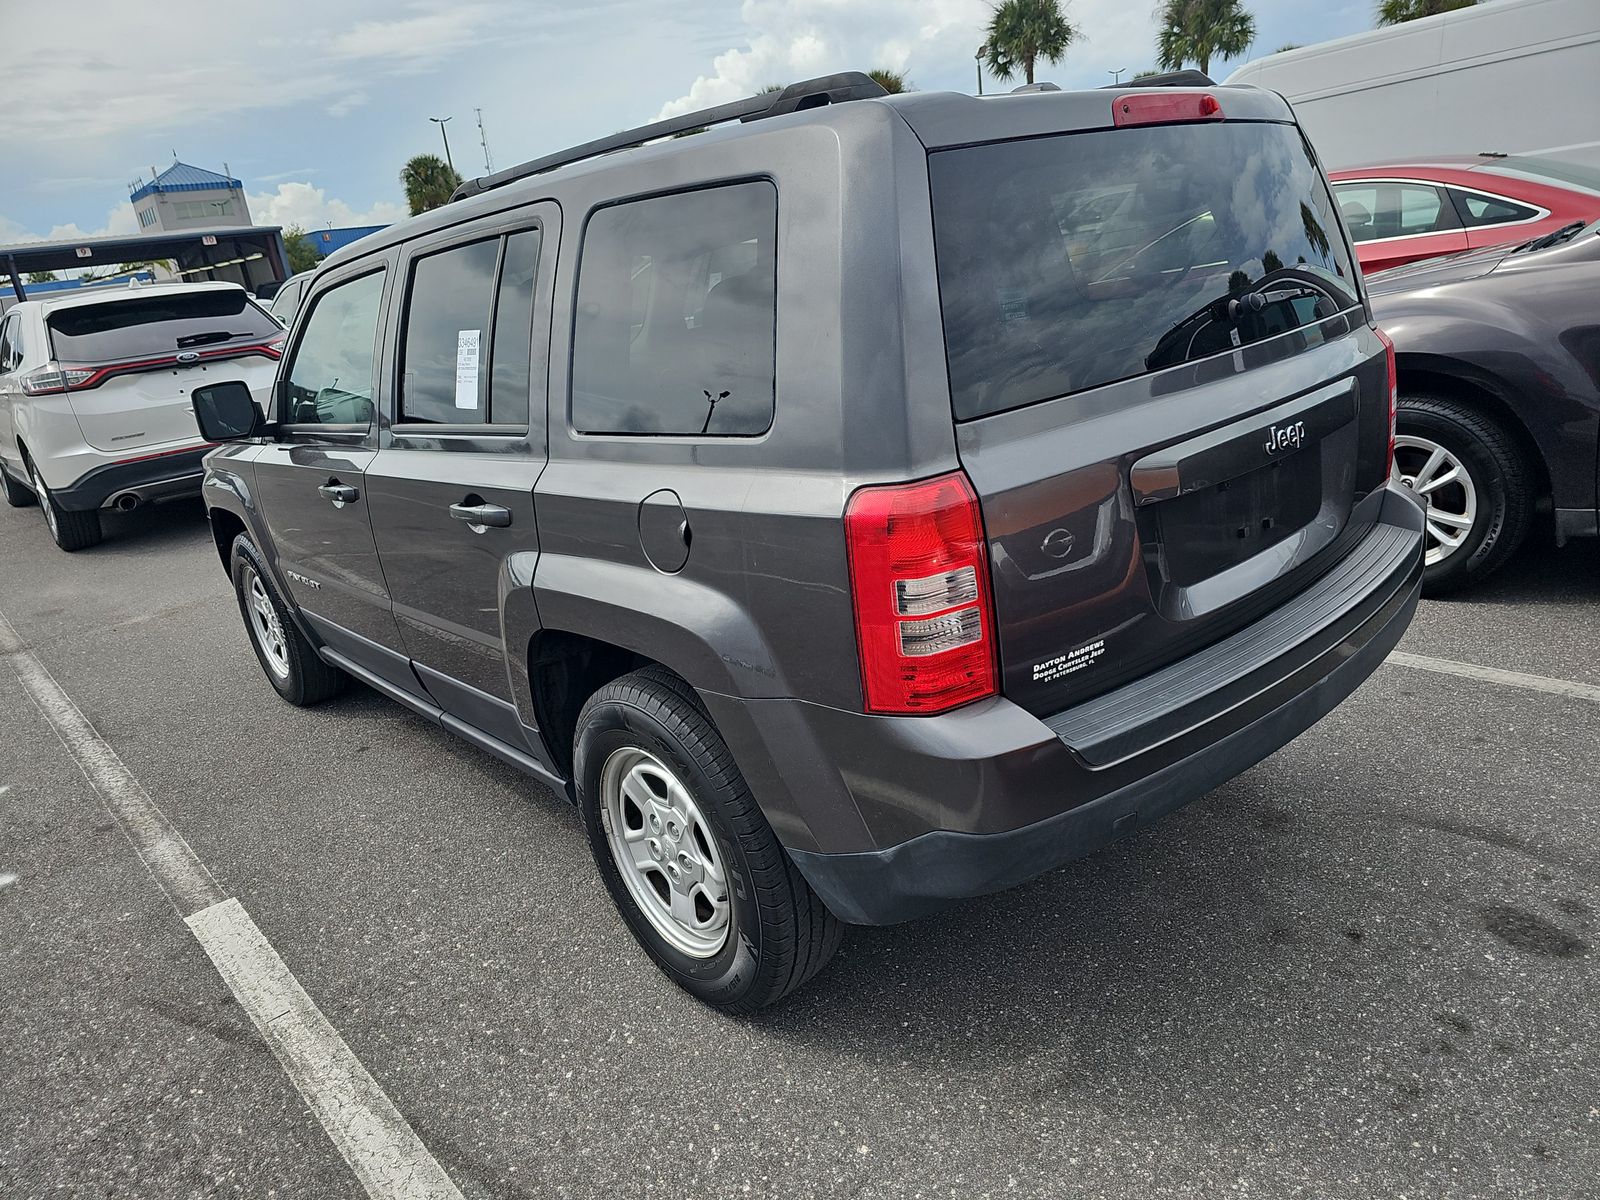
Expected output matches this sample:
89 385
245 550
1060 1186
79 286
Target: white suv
94 395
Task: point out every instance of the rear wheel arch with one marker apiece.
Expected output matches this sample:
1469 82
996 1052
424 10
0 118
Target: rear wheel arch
564 670
1489 396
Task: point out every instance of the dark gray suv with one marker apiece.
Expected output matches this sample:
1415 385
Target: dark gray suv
865 503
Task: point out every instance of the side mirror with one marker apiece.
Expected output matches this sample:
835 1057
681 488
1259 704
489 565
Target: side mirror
226 412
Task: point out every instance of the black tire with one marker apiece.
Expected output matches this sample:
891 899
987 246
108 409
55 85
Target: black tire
70 530
18 495
780 934
301 677
1503 480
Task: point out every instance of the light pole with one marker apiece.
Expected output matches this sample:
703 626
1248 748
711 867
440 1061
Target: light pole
1116 76
440 122
978 58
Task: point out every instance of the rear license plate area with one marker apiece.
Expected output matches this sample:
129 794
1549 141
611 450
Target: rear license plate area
1204 532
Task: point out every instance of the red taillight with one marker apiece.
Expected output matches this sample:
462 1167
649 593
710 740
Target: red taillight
274 344
1162 107
919 577
1394 391
52 380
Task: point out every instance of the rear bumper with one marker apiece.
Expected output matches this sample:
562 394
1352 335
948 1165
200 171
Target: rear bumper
987 797
161 477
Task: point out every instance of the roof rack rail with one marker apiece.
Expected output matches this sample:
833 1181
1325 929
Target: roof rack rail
809 93
1188 78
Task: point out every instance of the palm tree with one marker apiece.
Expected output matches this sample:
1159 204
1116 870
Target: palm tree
892 82
1195 30
1393 12
428 181
1023 31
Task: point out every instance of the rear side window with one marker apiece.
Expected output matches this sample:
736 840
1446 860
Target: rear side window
10 351
156 325
1076 260
677 315
329 379
1476 209
469 326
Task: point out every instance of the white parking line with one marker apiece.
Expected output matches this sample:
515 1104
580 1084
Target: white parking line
181 875
370 1134
1518 679
386 1155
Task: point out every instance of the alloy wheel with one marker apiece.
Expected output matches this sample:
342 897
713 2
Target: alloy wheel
665 852
265 626
42 493
1430 470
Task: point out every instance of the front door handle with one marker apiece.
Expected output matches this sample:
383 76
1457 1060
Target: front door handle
340 493
481 514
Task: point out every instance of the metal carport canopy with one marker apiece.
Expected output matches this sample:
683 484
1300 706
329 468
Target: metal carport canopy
197 249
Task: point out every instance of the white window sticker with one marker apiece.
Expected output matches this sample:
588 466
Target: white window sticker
467 367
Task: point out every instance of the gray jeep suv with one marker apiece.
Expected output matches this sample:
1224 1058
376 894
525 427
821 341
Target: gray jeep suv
865 503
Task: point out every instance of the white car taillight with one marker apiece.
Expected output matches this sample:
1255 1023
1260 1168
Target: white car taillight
53 380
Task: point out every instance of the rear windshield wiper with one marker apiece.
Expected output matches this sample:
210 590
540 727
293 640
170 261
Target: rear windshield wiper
205 339
1229 309
1555 237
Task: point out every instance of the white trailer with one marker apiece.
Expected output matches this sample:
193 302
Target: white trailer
1509 77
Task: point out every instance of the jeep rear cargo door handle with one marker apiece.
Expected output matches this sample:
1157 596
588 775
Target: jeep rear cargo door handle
481 514
340 493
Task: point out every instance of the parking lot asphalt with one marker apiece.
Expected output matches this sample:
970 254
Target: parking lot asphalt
1369 966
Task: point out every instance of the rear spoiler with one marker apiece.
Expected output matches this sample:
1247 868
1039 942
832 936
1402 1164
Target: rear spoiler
1184 79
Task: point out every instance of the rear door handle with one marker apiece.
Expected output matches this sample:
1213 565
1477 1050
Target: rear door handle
340 493
481 514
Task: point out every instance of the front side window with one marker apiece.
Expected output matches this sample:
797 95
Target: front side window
677 315
329 381
1387 210
1075 260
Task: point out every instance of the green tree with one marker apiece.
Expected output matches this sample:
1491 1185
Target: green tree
1198 30
893 82
1394 12
1023 31
41 277
1286 47
428 181
303 255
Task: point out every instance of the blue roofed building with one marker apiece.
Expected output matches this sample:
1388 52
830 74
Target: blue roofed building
188 197
326 241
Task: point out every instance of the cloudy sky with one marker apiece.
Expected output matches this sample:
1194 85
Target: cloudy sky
315 104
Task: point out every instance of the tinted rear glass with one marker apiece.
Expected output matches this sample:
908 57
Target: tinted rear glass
157 324
1072 261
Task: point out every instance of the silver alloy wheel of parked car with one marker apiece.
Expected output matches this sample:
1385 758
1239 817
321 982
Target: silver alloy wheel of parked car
665 852
43 495
1430 470
265 626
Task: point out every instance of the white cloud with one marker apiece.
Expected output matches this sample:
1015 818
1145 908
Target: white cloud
425 37
793 39
313 58
347 104
120 222
303 204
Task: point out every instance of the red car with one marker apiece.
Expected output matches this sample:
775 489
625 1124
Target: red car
1402 212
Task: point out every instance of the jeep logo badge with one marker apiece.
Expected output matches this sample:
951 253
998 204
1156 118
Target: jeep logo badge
1284 437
